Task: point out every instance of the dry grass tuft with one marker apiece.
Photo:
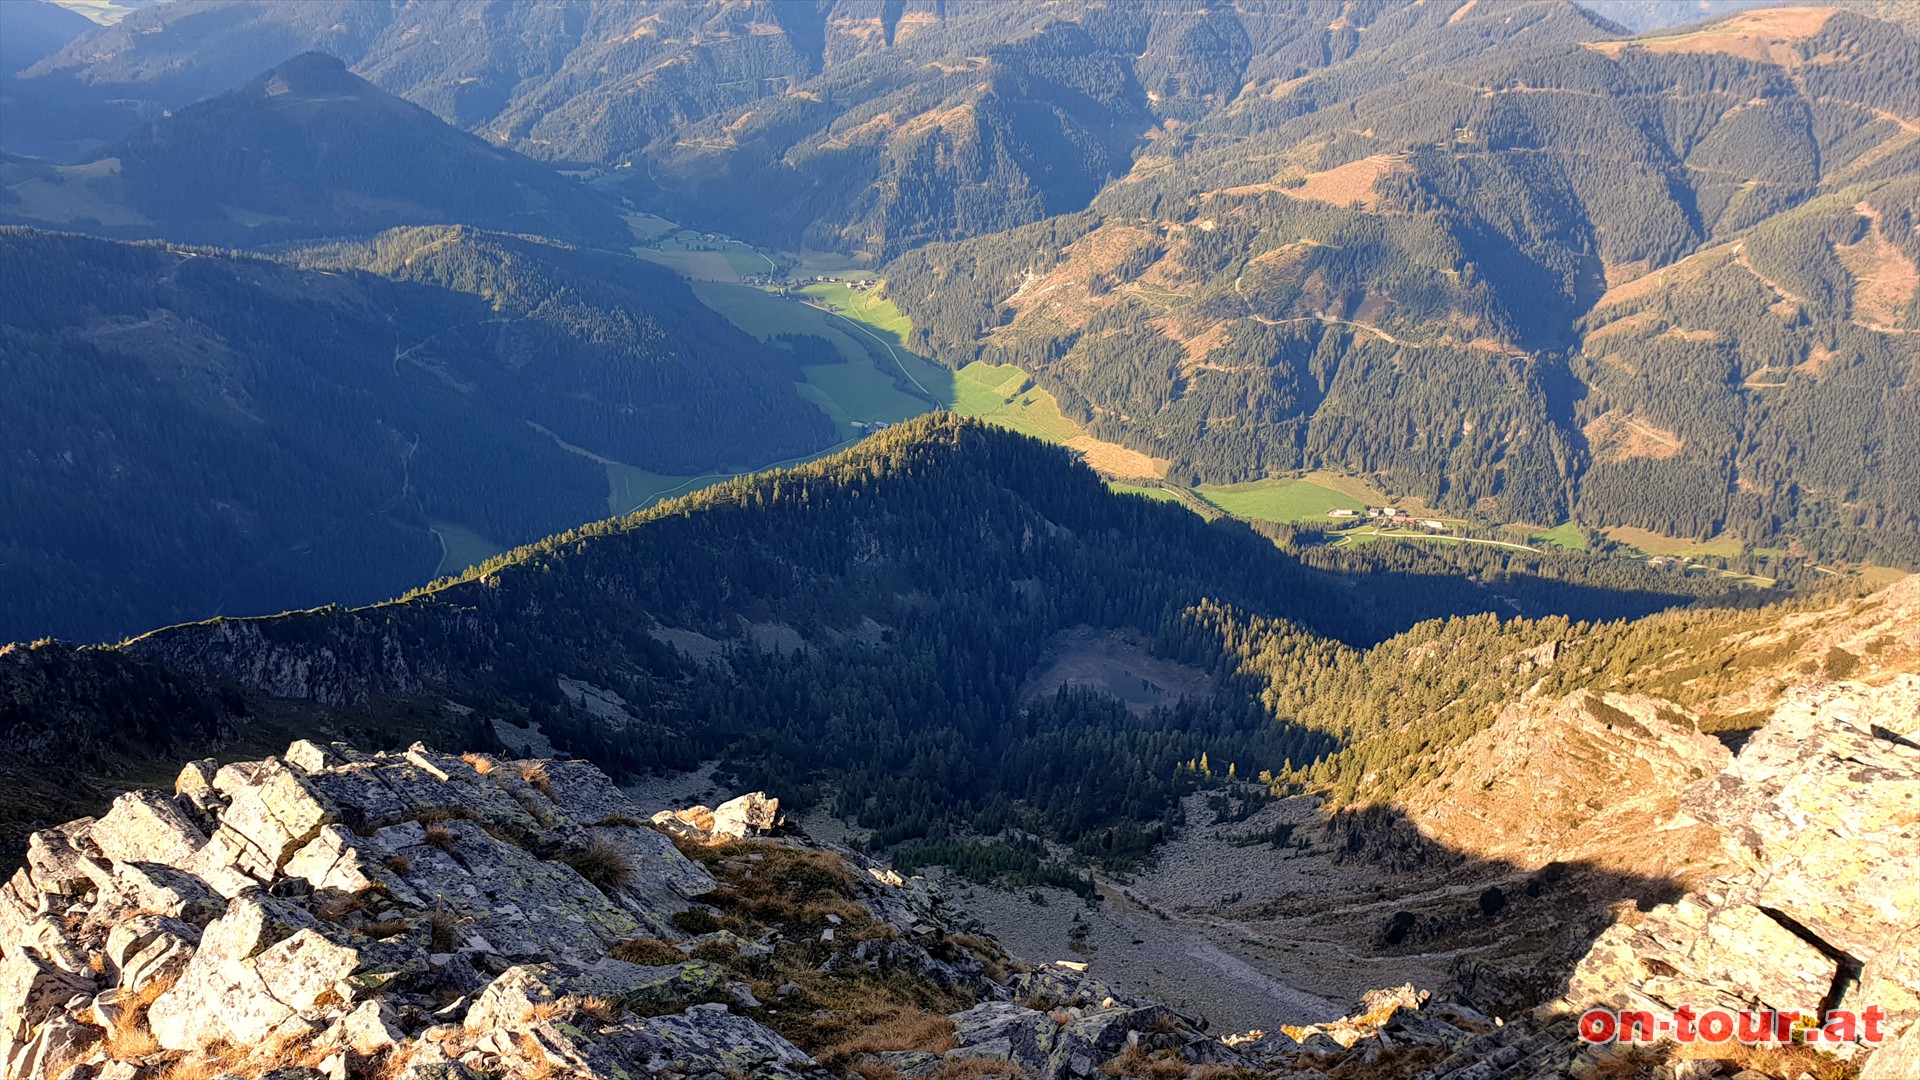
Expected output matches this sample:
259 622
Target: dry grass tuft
535 774
602 864
599 1008
903 1029
719 951
979 1069
440 836
336 906
1793 1059
531 1049
131 1038
445 928
651 952
1137 1061
399 864
481 765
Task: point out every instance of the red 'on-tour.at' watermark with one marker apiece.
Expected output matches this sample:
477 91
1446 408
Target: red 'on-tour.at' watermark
1751 1026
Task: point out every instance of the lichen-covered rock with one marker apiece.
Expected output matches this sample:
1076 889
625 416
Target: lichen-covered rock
261 964
1822 811
146 826
707 1039
736 819
149 947
1688 953
415 915
1833 776
154 888
1898 1059
748 815
31 990
1071 1043
55 858
273 814
59 1044
521 993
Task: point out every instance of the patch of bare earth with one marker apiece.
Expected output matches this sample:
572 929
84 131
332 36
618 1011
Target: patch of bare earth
1817 358
1884 279
1064 294
863 31
1639 320
1198 339
1770 35
1112 459
1355 184
1617 436
956 118
1689 268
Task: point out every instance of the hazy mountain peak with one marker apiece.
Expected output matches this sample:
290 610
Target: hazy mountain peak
314 72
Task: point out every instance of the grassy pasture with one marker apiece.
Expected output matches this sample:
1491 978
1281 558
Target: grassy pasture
1565 535
861 389
1005 395
1278 500
462 548
1157 494
865 307
1653 543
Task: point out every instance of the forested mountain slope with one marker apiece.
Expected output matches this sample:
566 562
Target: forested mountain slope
1503 257
1412 273
188 432
885 126
303 149
894 608
32 30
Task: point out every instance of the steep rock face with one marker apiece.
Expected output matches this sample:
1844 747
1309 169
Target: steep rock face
1590 776
1821 813
366 660
314 906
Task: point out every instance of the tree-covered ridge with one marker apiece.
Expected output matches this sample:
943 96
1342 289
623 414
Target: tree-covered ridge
189 432
34 30
871 627
1402 707
304 149
1405 280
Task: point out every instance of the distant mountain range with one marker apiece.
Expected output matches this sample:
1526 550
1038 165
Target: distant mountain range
305 149
1644 282
189 432
1506 258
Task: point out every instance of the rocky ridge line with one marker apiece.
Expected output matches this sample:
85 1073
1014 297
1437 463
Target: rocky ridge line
332 914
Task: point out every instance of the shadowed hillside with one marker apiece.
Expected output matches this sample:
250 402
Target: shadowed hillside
190 432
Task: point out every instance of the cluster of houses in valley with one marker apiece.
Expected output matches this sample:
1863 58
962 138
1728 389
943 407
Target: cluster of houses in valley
785 286
1390 515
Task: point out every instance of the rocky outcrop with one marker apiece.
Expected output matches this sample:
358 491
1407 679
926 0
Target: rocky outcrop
735 819
1064 1025
1821 814
1814 903
330 914
1589 777
326 907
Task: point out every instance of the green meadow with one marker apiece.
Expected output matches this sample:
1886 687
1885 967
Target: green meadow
1278 500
